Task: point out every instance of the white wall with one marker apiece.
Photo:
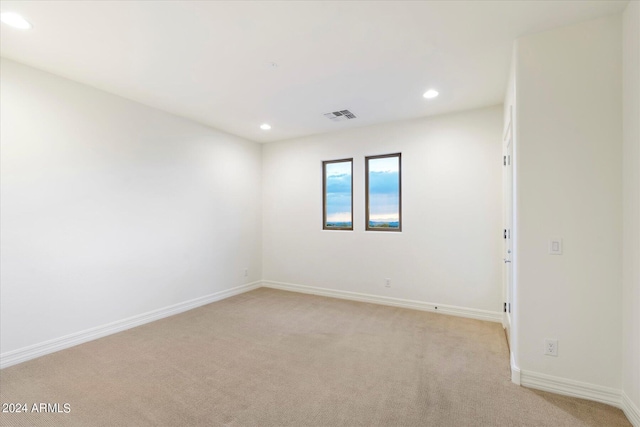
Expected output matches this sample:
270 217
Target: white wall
569 181
631 194
111 209
450 247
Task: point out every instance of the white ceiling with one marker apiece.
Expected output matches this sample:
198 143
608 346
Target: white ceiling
210 61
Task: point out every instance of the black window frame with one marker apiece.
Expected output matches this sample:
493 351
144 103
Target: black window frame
366 177
324 194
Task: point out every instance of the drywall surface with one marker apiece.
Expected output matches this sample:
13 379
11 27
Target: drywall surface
631 203
449 250
111 209
569 181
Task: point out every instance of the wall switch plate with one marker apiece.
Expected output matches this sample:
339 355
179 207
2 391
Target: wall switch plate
555 246
551 347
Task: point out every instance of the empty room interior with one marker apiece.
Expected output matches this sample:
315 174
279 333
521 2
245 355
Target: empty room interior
322 213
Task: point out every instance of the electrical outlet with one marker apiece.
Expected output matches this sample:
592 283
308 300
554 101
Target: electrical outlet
555 246
387 283
246 272
551 347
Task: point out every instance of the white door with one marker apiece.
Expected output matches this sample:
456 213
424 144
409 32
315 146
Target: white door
507 232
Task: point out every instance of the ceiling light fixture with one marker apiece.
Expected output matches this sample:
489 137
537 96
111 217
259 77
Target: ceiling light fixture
15 20
265 126
431 93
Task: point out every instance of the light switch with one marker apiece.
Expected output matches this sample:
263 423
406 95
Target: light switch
555 246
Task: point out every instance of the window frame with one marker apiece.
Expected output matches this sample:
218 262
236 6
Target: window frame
366 178
324 194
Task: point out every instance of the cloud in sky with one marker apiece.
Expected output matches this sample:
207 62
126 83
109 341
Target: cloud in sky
338 168
339 217
384 207
384 186
384 164
384 182
339 183
338 191
384 192
338 203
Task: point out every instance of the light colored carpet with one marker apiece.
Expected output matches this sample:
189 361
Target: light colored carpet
275 358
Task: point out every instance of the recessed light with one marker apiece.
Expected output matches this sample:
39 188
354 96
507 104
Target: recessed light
431 93
265 126
15 20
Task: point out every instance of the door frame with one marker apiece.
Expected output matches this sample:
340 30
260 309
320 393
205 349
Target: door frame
508 216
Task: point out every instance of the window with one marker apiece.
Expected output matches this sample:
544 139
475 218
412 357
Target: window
337 203
383 193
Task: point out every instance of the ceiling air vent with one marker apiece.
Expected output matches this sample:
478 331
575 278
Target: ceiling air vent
340 116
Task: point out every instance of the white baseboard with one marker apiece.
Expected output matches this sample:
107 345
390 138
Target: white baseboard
491 316
567 387
515 371
31 352
630 410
